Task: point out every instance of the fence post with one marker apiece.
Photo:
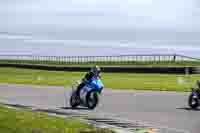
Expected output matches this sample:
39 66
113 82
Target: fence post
106 60
50 59
130 59
159 58
76 59
64 60
69 59
80 61
72 59
61 59
58 59
120 59
45 59
174 57
86 60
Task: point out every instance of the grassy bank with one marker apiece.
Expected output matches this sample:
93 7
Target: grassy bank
122 63
168 82
16 121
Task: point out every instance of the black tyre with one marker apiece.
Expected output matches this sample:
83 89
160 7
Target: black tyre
74 100
193 102
92 99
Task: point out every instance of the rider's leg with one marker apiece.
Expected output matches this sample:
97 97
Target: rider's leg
79 88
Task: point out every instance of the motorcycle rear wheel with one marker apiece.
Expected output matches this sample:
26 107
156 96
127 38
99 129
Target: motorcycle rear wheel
74 100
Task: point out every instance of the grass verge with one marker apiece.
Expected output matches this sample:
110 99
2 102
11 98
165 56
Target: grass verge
164 82
17 121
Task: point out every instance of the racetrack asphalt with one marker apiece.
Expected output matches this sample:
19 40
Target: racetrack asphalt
161 109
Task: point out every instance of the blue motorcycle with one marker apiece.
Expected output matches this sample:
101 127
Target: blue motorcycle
194 97
89 94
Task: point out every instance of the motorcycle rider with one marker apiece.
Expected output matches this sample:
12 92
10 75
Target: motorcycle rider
94 72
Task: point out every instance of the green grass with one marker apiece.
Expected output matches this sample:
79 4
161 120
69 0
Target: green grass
18 121
165 82
124 63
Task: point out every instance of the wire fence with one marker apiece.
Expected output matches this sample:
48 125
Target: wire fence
119 59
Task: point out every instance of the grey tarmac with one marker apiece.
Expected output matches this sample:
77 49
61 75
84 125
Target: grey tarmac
161 109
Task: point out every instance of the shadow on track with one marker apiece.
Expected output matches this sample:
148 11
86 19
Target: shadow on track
189 109
78 108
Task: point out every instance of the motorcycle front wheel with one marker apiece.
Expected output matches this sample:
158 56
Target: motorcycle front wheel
92 99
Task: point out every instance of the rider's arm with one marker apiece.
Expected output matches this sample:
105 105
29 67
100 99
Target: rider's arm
88 76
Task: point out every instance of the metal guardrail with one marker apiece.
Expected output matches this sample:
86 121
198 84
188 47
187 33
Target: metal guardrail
113 69
98 59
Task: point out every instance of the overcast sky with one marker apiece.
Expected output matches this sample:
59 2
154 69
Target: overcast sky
173 25
181 15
